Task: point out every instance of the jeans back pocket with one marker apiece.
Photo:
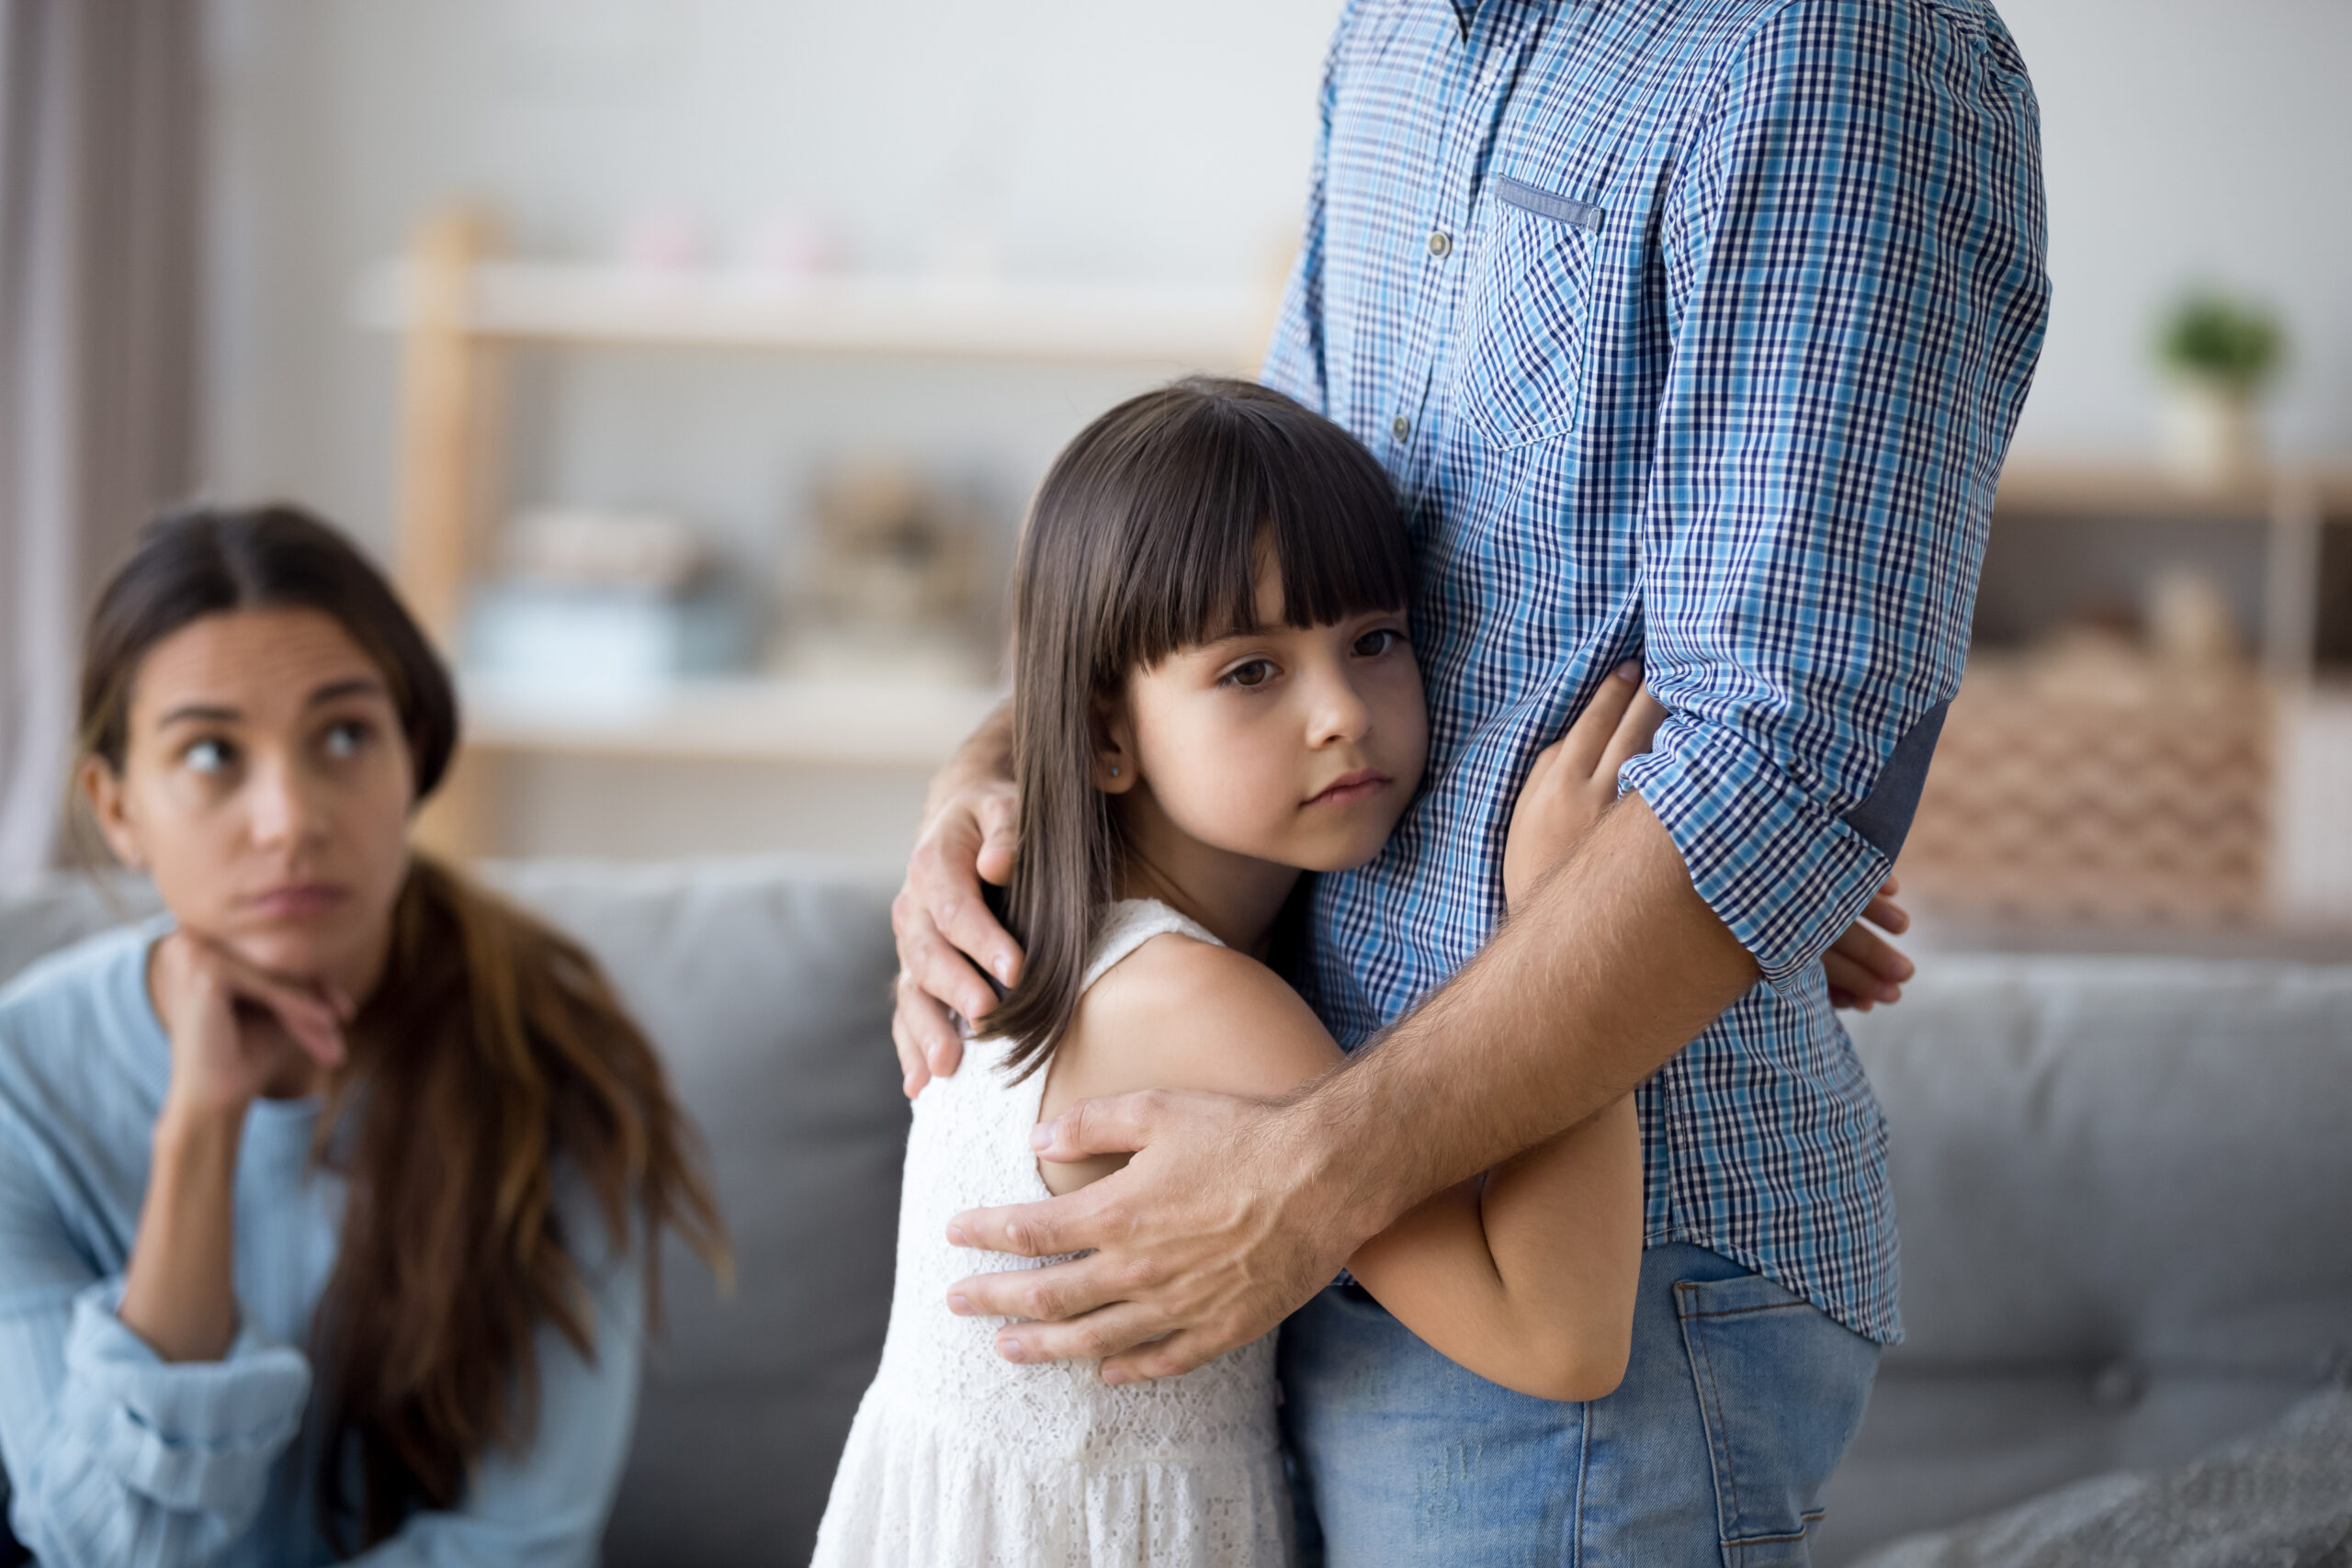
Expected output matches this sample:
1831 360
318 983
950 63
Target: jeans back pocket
1519 375
1781 1389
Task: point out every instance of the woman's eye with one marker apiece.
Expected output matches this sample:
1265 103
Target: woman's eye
209 756
1379 640
344 740
1257 673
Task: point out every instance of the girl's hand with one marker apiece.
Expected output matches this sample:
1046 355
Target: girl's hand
1864 968
1575 778
234 1029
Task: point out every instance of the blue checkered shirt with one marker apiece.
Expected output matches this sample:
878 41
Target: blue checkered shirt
1695 331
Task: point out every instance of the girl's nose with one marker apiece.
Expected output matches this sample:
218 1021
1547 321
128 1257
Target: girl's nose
1340 713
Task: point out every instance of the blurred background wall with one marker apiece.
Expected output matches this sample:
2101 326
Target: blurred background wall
1164 148
2185 140
1058 139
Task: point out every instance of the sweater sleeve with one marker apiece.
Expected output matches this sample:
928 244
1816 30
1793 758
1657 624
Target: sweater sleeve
117 1457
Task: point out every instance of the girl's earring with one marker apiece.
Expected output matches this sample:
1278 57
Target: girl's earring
1115 772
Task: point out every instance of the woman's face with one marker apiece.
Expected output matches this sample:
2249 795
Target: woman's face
266 785
1297 746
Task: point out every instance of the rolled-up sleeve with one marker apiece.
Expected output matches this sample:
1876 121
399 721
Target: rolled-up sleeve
190 1437
1855 272
114 1455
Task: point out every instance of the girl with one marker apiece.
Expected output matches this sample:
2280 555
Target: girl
328 1201
1214 693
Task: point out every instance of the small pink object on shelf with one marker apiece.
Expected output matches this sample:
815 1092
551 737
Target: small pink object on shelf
663 241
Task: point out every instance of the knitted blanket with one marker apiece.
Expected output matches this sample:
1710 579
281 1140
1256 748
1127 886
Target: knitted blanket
2279 1498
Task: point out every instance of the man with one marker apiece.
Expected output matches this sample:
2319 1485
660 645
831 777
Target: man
1689 329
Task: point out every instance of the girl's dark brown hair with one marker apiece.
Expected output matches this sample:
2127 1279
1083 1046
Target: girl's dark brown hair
1147 537
493 1066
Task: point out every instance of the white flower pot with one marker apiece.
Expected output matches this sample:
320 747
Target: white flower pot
2210 436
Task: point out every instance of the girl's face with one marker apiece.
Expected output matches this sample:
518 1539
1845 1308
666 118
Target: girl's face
1297 747
266 785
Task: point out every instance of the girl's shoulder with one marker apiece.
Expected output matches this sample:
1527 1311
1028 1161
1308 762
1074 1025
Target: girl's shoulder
1179 1010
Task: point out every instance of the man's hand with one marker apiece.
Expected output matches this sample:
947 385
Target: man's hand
1228 1218
1234 1212
944 927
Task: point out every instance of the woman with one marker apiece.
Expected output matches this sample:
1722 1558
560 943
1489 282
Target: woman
328 1201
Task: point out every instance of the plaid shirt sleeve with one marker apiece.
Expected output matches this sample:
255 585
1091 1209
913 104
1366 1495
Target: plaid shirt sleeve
1852 248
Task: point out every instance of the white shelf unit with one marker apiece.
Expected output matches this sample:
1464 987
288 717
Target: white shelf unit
2291 510
782 719
459 310
912 317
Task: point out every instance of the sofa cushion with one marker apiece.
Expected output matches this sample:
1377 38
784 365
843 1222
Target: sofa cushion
767 984
2120 1187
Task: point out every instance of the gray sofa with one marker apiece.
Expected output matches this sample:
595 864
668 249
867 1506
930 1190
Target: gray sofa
2125 1193
2125 1188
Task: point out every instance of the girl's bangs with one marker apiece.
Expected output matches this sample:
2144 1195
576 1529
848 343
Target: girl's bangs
1242 481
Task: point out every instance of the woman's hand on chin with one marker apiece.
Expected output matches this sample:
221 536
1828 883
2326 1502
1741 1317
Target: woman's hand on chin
237 1032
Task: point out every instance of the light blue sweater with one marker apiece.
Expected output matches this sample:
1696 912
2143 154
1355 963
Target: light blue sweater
120 1459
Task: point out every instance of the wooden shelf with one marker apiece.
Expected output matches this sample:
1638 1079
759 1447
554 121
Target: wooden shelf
2125 493
842 724
514 301
2287 513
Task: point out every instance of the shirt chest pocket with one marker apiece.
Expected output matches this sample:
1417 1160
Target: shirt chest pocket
1519 367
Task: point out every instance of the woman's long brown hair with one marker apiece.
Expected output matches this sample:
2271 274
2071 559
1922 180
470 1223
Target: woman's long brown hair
1146 537
494 1079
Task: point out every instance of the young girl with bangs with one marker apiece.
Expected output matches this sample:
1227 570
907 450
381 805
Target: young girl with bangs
1215 694
330 1199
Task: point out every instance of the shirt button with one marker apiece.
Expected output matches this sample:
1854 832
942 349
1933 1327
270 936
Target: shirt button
1400 427
1441 243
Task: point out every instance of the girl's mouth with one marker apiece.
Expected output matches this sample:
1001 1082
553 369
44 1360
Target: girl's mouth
1350 788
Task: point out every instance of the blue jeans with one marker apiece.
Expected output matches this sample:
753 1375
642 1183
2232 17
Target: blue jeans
1739 1401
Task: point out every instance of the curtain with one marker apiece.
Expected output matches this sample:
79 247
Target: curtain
99 130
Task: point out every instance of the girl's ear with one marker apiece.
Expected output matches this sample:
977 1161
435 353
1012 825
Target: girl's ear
102 787
1114 747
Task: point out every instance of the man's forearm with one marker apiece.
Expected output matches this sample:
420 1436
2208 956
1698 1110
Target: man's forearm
1613 965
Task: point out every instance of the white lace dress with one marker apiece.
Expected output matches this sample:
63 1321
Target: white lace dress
961 1457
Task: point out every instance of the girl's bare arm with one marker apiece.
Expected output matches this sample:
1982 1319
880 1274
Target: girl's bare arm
1525 1276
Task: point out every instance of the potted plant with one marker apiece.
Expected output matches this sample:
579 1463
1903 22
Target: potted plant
2218 354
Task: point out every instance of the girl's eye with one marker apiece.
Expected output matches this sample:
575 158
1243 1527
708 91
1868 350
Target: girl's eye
1256 672
1377 641
209 756
345 739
